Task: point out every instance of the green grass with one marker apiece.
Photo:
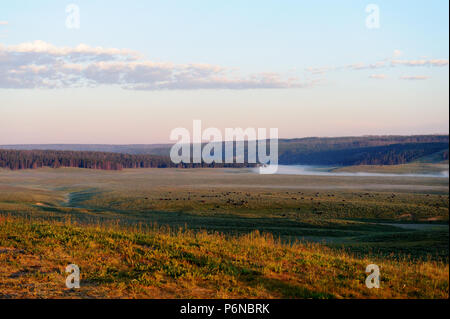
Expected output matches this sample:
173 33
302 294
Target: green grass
338 210
153 262
397 221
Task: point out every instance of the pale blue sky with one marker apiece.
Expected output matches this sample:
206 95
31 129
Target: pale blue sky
342 94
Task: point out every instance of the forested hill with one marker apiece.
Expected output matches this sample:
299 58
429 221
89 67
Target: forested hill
29 159
376 155
363 150
295 145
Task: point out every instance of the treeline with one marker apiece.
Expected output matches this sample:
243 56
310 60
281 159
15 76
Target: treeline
24 159
348 142
378 155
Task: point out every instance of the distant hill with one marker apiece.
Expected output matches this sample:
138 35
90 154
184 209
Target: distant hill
364 150
150 149
361 150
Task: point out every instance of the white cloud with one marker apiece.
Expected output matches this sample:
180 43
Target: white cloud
377 76
320 70
414 77
397 53
80 52
356 66
3 22
362 66
421 62
42 65
438 62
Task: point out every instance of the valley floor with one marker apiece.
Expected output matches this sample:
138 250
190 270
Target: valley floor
238 228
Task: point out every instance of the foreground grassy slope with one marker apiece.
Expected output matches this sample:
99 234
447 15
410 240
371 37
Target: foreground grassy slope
118 261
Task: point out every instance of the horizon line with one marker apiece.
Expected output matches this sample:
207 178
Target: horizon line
281 138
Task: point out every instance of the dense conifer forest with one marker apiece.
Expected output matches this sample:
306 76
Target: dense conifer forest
30 159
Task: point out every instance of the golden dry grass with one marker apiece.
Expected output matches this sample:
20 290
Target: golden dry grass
144 262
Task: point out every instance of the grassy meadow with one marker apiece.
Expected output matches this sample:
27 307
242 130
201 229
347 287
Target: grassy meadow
221 233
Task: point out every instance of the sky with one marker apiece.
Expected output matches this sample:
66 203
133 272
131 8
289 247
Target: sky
130 72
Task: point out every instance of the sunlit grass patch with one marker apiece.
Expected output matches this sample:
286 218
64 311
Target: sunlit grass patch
161 262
